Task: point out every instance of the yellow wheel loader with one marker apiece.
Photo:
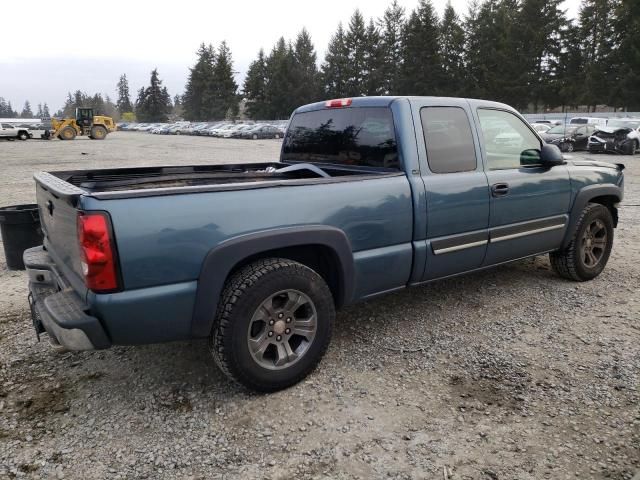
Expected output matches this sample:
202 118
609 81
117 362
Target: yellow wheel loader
95 127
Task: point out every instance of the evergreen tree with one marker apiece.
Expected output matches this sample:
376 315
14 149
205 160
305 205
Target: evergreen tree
569 79
597 35
6 111
198 102
335 66
26 110
539 33
45 111
627 55
154 102
178 107
392 26
373 62
452 52
39 111
255 85
123 103
356 44
493 61
421 71
281 81
307 77
224 88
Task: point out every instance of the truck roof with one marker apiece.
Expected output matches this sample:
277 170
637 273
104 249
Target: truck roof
385 101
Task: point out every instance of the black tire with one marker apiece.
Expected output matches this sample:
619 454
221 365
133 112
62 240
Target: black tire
254 137
570 263
98 132
67 133
242 297
23 136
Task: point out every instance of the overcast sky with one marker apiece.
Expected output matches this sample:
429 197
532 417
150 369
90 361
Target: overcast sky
51 49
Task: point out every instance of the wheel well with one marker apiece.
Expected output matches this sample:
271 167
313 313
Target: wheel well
608 201
319 258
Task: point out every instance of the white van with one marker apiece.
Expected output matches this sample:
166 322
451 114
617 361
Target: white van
598 121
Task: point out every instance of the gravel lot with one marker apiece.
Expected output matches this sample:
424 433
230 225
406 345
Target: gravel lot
512 373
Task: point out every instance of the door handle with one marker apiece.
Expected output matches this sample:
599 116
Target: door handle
499 189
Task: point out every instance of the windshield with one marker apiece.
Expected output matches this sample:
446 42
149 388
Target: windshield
624 124
363 136
561 129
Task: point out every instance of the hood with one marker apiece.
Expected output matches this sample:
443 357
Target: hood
612 130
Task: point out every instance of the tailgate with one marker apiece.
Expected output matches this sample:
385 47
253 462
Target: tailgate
58 218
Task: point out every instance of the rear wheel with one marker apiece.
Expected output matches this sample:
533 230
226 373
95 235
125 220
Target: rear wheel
274 324
255 137
589 250
67 133
98 132
277 136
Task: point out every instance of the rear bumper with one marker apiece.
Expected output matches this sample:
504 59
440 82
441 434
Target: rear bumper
57 309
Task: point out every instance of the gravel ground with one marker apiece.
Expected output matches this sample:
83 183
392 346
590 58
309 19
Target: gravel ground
512 373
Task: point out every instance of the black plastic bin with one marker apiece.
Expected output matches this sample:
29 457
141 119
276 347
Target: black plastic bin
20 228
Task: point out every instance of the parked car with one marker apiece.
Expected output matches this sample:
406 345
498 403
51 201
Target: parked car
218 132
621 135
235 132
569 137
260 131
598 121
144 255
10 131
541 127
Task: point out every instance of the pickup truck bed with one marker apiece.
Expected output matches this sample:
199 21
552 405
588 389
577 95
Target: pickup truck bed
370 195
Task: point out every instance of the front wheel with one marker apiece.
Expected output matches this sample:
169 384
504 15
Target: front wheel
98 132
273 325
23 136
590 247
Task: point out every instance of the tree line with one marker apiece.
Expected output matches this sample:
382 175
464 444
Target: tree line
526 53
7 111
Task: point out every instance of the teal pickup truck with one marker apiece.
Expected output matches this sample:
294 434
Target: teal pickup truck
370 195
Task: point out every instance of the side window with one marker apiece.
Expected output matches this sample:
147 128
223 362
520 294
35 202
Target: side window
448 138
508 142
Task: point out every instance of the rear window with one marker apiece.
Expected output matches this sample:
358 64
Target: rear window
347 136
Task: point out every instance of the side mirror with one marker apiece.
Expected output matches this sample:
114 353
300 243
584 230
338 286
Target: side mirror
551 155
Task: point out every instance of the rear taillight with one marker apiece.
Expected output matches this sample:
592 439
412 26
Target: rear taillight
338 103
97 252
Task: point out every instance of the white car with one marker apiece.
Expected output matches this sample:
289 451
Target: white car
10 131
541 127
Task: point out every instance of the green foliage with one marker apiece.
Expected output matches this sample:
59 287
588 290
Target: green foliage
26 110
452 53
153 103
128 117
336 65
224 88
421 70
255 88
281 81
597 35
123 104
391 44
6 110
198 100
100 105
